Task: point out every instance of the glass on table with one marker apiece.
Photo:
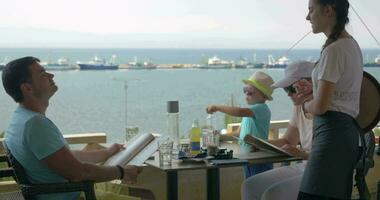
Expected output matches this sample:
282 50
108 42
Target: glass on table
165 149
212 142
131 132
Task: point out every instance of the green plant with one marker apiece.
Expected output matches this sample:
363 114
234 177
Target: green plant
228 119
376 131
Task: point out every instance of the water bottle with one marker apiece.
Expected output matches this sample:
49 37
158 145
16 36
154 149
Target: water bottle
195 138
207 129
173 122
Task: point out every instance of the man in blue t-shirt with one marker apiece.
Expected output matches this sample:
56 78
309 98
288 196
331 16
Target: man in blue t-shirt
38 145
256 119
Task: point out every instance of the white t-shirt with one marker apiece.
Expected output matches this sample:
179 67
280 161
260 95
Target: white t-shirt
305 127
341 63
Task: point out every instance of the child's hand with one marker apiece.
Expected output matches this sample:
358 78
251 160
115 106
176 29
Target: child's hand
254 148
211 109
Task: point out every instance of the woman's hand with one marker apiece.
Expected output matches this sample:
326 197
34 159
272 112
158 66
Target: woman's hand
211 109
114 148
294 151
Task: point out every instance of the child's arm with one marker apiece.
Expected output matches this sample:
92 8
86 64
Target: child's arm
234 111
230 136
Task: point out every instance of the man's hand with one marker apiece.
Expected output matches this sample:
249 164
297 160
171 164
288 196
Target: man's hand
211 109
130 173
294 151
114 148
302 98
304 88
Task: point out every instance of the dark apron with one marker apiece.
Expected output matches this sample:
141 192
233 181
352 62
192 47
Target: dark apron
333 156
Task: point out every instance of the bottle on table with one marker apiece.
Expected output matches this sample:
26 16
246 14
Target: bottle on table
195 138
173 122
208 128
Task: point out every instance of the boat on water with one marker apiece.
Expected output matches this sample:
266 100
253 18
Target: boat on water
282 62
61 64
241 64
148 64
374 64
217 63
99 64
255 65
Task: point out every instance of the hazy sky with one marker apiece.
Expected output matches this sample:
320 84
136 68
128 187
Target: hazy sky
171 23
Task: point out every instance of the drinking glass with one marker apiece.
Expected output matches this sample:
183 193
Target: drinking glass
131 132
212 143
165 149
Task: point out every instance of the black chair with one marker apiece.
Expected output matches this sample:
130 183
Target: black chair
367 119
378 183
30 190
365 163
8 172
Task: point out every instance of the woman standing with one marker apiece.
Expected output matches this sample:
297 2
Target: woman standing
336 88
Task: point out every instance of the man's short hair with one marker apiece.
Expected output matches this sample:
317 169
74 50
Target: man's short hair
16 73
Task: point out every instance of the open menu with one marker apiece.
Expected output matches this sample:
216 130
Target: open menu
263 144
136 151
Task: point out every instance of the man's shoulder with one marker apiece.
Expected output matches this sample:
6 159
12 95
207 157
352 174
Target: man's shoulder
38 120
24 115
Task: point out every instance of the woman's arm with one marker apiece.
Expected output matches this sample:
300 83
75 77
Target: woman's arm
296 152
291 137
322 100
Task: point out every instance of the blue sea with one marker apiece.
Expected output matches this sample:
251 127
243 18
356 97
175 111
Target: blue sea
108 101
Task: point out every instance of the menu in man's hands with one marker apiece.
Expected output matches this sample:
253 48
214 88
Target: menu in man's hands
262 144
136 152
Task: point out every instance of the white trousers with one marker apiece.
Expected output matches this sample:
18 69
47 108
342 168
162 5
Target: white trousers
279 183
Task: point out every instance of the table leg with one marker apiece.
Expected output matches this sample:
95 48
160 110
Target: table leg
213 192
172 185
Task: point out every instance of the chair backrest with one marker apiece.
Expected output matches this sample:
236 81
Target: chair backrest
20 175
30 190
366 162
369 114
367 119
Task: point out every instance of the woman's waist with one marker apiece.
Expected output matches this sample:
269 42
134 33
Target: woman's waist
335 114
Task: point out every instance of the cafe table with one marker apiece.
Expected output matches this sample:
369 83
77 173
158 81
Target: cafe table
212 170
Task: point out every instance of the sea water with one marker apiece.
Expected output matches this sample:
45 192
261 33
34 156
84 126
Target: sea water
97 101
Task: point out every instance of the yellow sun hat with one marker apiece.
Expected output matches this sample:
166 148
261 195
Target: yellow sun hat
262 82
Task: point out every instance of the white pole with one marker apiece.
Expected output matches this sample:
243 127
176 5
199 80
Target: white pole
126 102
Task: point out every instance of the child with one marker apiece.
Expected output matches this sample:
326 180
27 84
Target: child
256 119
